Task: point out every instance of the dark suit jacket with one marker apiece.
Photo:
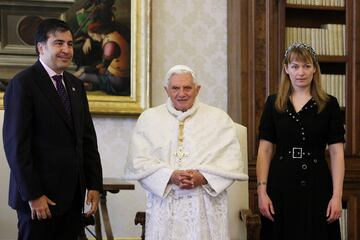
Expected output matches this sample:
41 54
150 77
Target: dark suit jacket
47 154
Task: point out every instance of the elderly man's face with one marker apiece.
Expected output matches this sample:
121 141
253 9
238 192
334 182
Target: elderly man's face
182 91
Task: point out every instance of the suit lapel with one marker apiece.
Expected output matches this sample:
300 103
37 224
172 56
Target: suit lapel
45 84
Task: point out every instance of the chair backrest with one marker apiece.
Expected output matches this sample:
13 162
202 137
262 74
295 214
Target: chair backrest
238 192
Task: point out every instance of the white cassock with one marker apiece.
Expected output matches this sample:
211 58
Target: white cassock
209 145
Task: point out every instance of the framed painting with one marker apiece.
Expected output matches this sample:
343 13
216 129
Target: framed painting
111 48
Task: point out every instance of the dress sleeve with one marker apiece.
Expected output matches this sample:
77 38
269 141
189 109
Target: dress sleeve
336 127
267 129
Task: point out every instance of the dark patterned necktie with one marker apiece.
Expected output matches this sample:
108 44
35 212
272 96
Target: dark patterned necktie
63 94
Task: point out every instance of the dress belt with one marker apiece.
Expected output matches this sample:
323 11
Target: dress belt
299 152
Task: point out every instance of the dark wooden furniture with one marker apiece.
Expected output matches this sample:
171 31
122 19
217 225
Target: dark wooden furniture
140 218
252 224
256 45
112 185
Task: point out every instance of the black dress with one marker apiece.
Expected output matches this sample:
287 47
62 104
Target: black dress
299 181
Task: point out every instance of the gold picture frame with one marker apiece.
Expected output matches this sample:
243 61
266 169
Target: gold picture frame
16 55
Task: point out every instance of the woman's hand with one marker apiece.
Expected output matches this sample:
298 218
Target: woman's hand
334 209
265 204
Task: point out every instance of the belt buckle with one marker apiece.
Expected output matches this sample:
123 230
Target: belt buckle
296 152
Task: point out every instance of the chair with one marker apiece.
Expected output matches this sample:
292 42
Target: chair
236 191
252 221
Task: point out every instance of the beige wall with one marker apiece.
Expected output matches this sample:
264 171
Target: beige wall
191 32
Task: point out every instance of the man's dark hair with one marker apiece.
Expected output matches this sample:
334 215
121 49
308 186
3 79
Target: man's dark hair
49 26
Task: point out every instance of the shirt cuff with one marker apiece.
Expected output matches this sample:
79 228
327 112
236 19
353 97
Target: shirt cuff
216 184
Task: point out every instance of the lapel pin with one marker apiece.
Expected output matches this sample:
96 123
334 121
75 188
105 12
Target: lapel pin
73 89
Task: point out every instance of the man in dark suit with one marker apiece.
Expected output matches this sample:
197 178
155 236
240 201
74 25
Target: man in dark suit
50 142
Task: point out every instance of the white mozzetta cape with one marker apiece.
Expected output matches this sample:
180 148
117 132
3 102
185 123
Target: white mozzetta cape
211 146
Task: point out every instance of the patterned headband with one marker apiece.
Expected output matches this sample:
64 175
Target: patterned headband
299 45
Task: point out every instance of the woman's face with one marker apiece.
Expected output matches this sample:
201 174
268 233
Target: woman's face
300 73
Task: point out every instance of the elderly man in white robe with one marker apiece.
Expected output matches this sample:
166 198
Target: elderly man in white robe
185 154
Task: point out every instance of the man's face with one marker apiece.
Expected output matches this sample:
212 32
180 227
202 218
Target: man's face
57 52
182 91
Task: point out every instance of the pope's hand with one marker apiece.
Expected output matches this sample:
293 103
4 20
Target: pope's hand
182 179
197 178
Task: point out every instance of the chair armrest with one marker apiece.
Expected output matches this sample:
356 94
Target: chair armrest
140 217
252 224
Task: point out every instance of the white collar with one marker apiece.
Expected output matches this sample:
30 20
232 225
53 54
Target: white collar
180 115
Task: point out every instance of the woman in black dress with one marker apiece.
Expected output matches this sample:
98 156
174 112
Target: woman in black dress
299 194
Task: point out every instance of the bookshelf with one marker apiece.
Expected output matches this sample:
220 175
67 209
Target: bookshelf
256 44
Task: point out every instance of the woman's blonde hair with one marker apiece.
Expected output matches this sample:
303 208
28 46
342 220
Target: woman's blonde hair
305 53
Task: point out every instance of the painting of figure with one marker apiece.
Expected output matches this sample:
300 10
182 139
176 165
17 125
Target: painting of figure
102 46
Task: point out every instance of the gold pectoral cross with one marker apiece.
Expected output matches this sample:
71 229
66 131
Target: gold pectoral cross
181 154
